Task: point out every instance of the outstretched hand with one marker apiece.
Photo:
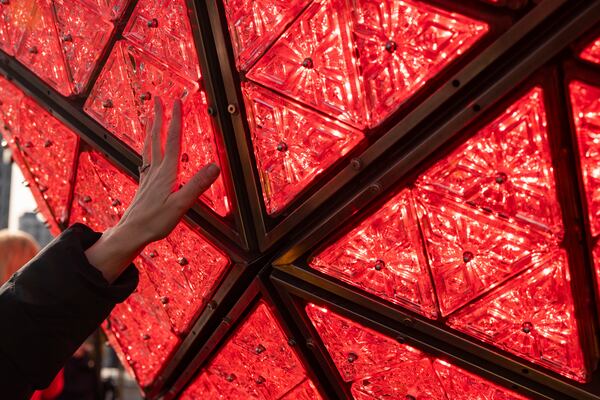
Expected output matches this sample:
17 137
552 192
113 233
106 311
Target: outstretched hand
157 206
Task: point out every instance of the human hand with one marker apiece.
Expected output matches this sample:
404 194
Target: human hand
157 206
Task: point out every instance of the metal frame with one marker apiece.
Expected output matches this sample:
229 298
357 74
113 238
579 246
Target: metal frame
403 326
516 43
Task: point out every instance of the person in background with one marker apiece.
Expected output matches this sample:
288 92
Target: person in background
17 249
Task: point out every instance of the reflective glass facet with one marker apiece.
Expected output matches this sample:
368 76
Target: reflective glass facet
592 52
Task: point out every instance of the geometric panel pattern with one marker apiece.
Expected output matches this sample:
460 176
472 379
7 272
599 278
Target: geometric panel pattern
379 367
487 215
256 362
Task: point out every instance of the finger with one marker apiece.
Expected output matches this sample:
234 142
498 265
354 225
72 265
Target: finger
173 145
197 185
157 153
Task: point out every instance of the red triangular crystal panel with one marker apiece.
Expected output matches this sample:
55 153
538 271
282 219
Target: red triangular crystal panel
292 145
592 52
121 100
254 25
162 29
506 168
109 9
470 252
404 44
14 17
379 367
256 362
531 316
383 255
313 63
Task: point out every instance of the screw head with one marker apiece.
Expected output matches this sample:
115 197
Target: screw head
310 343
182 261
107 103
153 254
391 46
152 23
260 380
308 63
501 177
116 202
28 145
379 265
33 50
231 109
67 38
212 304
527 327
410 397
352 357
211 111
468 256
356 164
48 143
145 96
164 300
43 188
146 336
185 157
86 199
230 378
259 349
282 147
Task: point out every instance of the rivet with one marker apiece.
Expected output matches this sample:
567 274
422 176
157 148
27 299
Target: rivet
211 111
281 146
212 305
391 46
182 261
164 300
230 378
310 343
400 339
407 321
48 143
116 202
527 327
308 63
145 96
153 254
259 349
152 23
375 188
352 357
231 109
501 177
107 103
379 264
67 38
468 256
86 199
356 164
33 50
185 157
43 188
260 380
366 382
146 336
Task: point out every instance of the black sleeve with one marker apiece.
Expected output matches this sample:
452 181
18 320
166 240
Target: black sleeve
50 306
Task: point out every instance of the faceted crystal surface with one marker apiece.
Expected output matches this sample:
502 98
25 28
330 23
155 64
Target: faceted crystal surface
14 17
585 101
532 316
292 144
384 256
138 329
505 168
43 148
60 41
122 101
470 252
313 62
403 45
162 28
109 9
592 52
379 367
255 24
256 362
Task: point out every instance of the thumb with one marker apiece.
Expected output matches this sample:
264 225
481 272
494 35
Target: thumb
198 184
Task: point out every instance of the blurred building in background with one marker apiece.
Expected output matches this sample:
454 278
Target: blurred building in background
5 177
30 223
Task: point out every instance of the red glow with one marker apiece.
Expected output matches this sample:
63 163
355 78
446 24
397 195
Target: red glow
532 316
162 29
592 52
43 147
292 145
256 362
403 45
60 41
109 9
384 256
122 101
14 16
380 367
254 24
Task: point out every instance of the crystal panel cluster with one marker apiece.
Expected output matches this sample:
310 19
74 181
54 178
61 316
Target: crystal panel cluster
59 40
157 58
356 62
377 367
43 147
179 272
479 232
256 362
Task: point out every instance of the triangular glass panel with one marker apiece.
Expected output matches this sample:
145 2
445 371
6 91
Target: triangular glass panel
379 367
404 44
121 101
256 362
313 62
592 52
384 256
531 316
292 144
254 25
14 17
162 28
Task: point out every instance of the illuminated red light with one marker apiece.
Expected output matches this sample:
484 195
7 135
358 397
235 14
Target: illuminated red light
254 24
384 256
292 144
122 101
60 41
403 45
380 367
592 52
162 29
532 316
44 148
256 362
109 9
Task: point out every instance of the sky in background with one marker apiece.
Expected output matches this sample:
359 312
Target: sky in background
21 199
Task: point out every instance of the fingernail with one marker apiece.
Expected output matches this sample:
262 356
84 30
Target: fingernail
212 170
